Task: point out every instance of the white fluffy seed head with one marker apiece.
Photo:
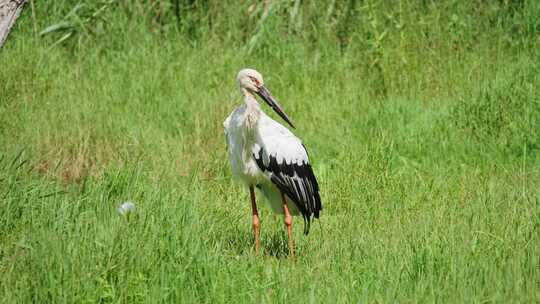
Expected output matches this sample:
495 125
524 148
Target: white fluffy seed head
126 207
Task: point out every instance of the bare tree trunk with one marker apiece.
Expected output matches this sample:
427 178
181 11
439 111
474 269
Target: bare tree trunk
9 11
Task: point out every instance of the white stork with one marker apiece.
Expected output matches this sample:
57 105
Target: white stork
266 155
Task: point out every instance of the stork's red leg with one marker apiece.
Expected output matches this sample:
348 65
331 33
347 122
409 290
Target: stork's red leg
288 224
256 221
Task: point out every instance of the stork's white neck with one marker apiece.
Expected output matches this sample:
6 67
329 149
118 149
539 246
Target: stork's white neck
249 98
253 108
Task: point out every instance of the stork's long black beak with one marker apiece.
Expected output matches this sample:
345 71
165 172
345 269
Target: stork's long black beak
265 94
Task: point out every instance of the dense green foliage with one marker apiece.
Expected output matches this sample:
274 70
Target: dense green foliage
422 119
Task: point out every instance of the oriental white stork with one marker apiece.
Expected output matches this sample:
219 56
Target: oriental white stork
266 155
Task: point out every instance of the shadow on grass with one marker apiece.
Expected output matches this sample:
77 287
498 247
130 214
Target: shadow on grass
274 244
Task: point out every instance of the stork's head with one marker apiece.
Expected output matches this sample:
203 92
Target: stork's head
252 81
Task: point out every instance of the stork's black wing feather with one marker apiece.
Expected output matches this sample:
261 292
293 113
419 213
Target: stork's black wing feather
296 180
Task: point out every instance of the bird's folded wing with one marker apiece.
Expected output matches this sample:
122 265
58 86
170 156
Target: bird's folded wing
286 160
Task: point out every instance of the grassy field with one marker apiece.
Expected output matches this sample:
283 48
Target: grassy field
422 120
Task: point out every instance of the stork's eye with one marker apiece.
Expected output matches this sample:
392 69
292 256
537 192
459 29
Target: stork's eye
254 80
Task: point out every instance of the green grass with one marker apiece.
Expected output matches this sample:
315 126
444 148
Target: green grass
426 143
